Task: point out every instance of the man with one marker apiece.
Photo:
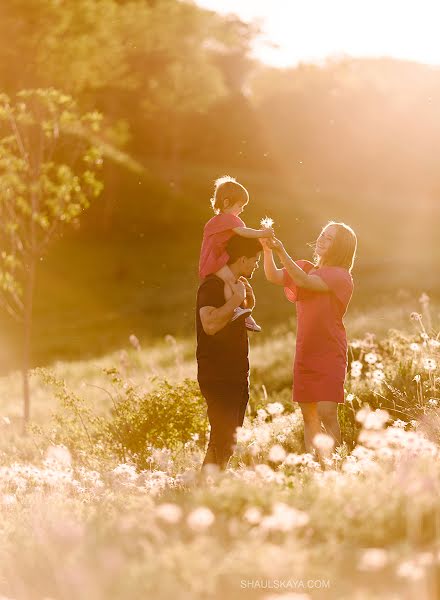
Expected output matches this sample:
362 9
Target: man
222 349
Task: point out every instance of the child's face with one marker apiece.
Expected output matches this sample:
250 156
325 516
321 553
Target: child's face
237 208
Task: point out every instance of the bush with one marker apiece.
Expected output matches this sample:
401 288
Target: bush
165 418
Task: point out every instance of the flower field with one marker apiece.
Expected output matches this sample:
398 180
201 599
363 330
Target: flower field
103 499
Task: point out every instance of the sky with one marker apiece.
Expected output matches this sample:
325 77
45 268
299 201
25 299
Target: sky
313 30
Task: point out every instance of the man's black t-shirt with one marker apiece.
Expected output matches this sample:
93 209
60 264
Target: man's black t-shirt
224 355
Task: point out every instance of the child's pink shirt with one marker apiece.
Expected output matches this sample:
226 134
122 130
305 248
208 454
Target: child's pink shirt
216 234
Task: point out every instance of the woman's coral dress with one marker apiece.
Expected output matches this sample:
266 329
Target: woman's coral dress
321 343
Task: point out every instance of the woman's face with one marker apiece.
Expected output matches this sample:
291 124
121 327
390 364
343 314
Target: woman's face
325 240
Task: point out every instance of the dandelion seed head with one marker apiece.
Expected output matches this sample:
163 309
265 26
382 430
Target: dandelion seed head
266 223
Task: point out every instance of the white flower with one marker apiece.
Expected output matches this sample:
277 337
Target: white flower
373 559
433 402
253 515
356 364
243 435
275 408
200 519
350 397
434 343
59 454
277 453
323 442
266 223
134 342
284 518
414 347
261 414
378 376
370 358
410 570
376 419
169 512
429 364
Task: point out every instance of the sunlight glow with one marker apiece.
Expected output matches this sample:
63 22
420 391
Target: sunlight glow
313 30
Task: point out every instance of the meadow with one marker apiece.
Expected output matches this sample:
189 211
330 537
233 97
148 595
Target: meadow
103 498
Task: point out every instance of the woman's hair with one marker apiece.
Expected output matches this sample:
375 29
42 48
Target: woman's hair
342 252
227 188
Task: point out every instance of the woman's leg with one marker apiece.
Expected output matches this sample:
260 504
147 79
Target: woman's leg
312 423
328 413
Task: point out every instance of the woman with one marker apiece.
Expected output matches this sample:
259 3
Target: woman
322 291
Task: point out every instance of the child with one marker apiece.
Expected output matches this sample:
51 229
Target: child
229 200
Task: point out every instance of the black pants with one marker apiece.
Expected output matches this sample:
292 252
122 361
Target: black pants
227 401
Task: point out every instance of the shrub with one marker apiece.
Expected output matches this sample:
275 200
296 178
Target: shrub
165 418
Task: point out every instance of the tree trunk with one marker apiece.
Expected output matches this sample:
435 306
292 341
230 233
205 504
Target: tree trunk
27 335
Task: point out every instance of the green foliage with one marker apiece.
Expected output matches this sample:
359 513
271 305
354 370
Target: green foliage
47 179
165 418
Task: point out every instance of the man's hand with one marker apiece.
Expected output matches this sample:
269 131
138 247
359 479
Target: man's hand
239 290
250 297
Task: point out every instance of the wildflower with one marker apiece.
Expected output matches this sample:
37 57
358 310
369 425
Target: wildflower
200 519
400 424
261 414
350 397
277 453
373 559
356 364
424 336
414 347
376 419
429 364
414 316
275 408
424 299
434 343
243 435
134 342
169 512
378 376
253 515
323 442
433 402
410 570
59 454
284 518
8 499
370 358
266 223
417 378
355 373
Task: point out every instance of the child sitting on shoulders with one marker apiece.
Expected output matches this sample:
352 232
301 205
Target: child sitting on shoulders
228 201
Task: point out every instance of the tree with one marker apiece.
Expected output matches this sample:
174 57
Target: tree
48 165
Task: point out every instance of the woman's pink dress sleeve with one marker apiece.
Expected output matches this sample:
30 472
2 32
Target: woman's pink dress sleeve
290 287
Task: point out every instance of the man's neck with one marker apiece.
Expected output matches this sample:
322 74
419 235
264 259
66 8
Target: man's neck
234 268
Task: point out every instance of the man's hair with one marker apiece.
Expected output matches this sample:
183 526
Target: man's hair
239 246
227 188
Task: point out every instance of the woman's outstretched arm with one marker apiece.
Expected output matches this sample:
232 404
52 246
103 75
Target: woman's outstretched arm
273 274
300 277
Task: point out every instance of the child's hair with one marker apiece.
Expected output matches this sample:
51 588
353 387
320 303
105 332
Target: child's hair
227 188
342 252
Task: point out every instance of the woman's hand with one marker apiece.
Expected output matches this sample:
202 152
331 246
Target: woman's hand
265 243
276 244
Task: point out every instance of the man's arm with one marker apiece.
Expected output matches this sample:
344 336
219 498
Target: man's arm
214 319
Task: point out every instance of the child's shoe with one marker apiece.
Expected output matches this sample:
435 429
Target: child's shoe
251 324
239 312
